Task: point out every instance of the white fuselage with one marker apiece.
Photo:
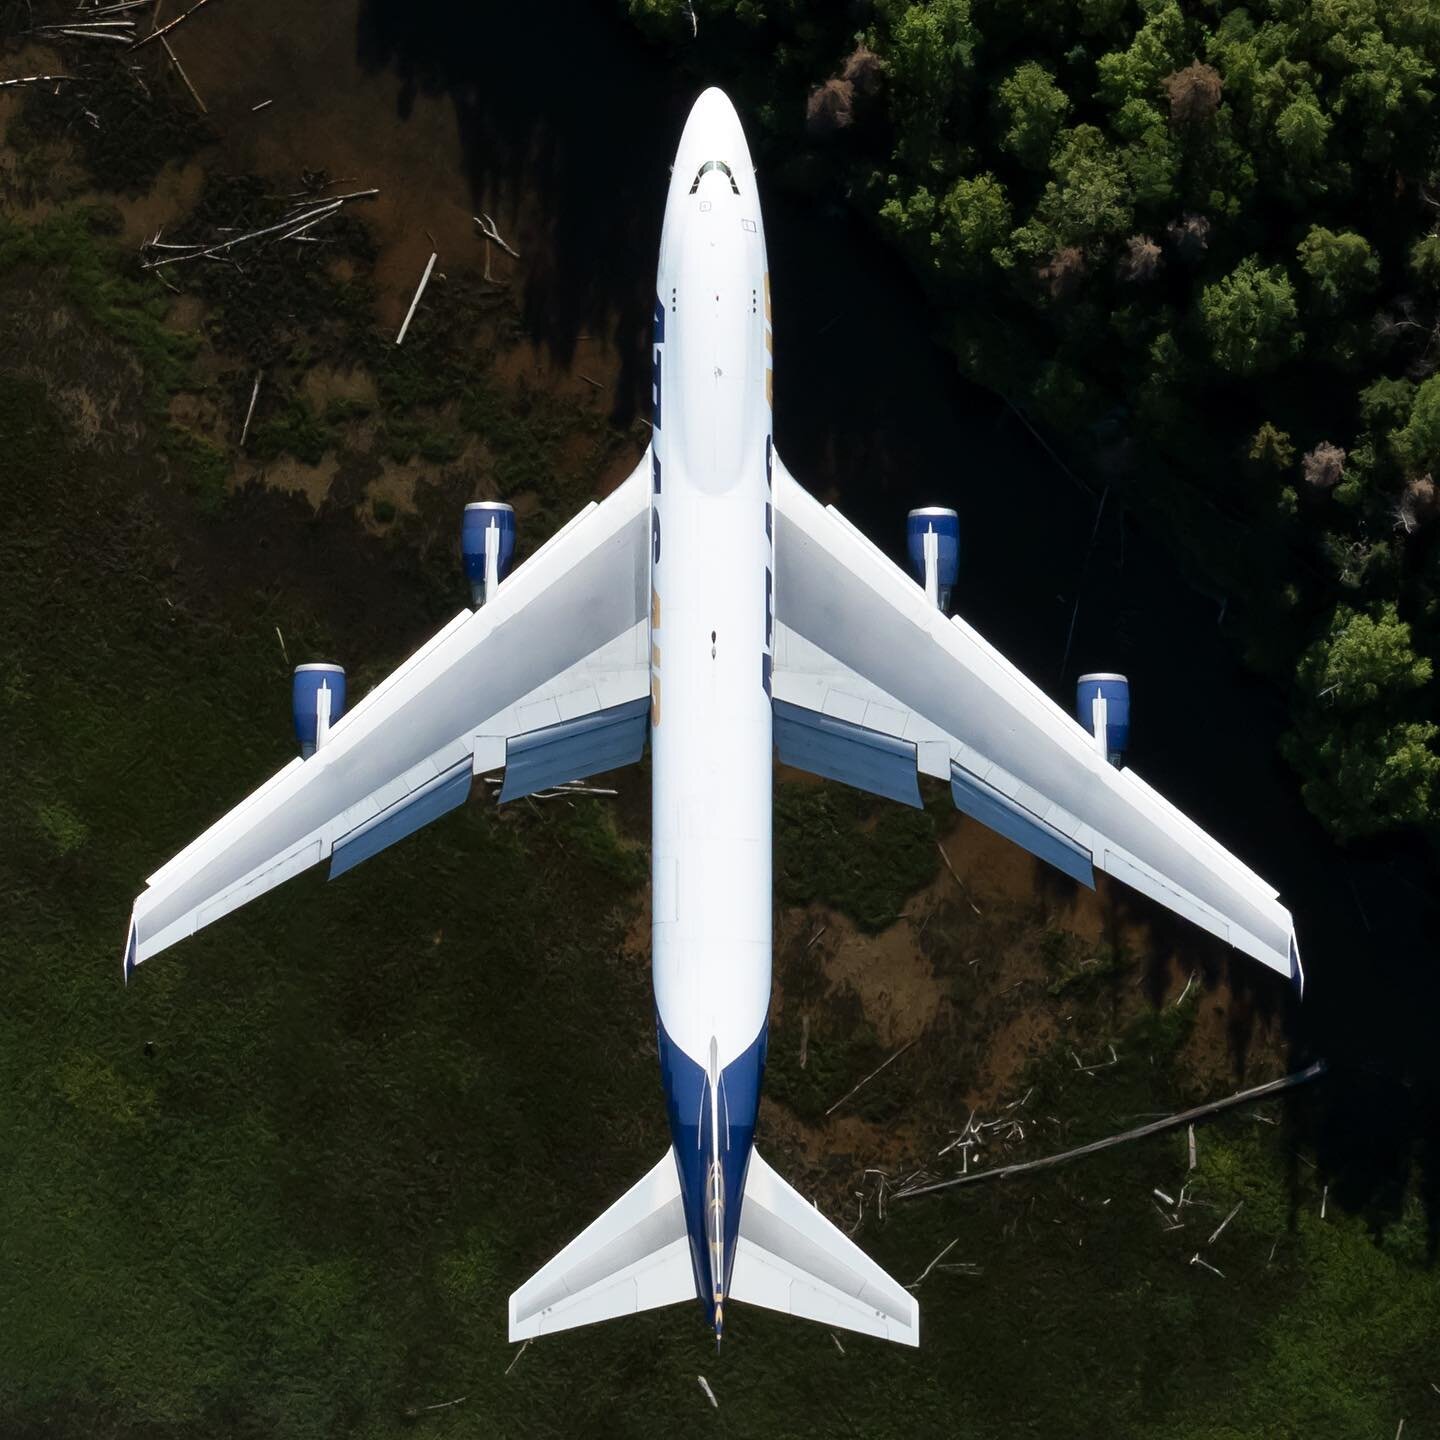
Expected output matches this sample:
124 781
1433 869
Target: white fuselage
712 599
711 623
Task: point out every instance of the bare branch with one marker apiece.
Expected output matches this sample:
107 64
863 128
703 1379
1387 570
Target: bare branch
166 29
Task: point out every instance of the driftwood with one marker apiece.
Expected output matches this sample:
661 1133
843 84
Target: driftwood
413 1412
518 1354
1219 1229
487 228
201 251
1170 1122
180 71
249 415
110 29
300 219
868 1078
916 1281
90 35
956 878
166 29
419 291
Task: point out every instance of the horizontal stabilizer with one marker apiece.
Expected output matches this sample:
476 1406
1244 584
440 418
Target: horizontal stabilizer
636 1256
789 1257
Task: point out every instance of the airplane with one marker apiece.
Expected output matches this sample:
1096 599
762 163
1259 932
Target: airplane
710 607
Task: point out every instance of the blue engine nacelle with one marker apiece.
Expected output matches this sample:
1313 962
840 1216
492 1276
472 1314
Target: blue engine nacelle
316 713
481 518
945 526
1114 690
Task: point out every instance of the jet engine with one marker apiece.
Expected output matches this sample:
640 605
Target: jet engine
1102 705
487 542
318 701
932 536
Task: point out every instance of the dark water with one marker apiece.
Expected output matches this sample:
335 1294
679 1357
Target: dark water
565 102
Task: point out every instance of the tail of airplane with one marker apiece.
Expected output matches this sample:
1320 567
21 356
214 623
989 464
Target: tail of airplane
788 1257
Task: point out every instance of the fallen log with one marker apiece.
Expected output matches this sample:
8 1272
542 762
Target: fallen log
1170 1122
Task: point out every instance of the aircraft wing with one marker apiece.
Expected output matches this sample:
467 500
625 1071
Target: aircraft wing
874 685
549 680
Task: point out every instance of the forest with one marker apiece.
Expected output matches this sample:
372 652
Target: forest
1197 244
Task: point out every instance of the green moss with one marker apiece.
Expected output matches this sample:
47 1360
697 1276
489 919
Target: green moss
201 466
121 132
841 1050
1080 970
346 408
103 286
295 430
402 439
862 855
64 829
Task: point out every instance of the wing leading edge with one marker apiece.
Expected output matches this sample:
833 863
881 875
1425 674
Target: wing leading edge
547 681
872 683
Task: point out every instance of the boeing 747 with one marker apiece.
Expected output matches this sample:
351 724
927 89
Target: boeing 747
711 607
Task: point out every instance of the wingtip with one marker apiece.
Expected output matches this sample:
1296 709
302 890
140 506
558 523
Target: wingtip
131 944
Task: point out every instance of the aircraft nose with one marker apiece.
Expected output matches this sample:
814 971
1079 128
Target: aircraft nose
713 106
713 132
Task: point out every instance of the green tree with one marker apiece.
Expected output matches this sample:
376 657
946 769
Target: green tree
969 224
1417 442
1158 48
1249 318
1386 404
930 55
1032 107
1387 87
1364 766
1363 777
1088 196
1302 129
1340 265
1272 446
1362 659
1425 259
972 222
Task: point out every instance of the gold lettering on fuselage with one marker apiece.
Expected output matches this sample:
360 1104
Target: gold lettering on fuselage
769 348
654 658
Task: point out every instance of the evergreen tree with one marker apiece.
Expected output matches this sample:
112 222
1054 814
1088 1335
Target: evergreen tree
1249 318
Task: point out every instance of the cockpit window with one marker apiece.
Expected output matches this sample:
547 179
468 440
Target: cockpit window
714 165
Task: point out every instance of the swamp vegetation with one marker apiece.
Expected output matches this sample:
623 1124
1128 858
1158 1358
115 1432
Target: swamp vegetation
284 1183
